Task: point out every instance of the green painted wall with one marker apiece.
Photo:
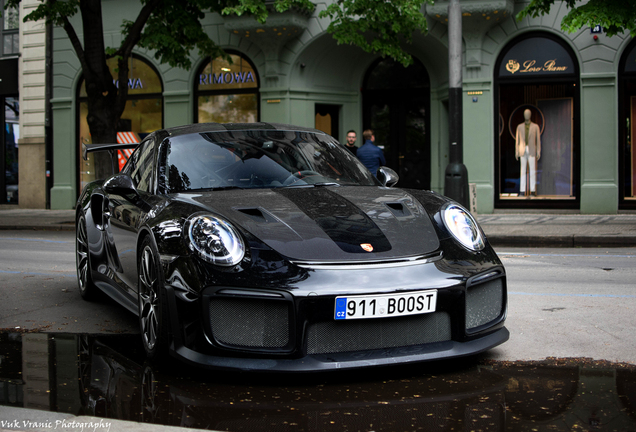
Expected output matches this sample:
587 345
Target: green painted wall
63 194
479 142
599 152
178 107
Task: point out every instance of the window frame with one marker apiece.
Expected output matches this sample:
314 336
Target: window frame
80 99
14 33
198 93
571 78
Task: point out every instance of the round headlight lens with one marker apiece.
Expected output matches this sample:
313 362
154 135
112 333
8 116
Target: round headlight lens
215 240
463 227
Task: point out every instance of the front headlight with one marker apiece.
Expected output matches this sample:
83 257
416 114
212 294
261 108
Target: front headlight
215 240
463 227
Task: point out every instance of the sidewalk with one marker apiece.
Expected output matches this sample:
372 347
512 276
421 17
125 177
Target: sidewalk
502 229
559 230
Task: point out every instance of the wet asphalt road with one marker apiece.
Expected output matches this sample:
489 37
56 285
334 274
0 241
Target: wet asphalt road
562 302
39 282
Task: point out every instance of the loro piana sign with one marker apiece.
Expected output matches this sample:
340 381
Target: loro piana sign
536 56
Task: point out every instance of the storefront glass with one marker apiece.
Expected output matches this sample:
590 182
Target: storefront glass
143 113
227 92
10 149
627 134
537 146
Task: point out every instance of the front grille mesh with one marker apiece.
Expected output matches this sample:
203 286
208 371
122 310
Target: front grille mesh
367 334
484 303
249 322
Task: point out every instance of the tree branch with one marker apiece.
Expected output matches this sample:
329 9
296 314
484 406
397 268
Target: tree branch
134 31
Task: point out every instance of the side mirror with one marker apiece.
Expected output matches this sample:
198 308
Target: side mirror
120 184
387 176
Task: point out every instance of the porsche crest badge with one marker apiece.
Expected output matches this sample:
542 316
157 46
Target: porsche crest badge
367 247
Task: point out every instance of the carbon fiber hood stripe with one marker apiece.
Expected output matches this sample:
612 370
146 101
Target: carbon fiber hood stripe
339 218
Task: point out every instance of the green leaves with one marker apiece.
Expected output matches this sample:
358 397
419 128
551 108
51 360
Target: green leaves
255 8
50 11
615 16
260 9
377 26
174 28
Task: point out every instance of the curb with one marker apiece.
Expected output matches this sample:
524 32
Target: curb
53 227
565 241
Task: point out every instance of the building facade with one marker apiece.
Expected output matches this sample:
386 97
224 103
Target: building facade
24 150
579 89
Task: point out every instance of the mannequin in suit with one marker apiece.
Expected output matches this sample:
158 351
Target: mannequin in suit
528 149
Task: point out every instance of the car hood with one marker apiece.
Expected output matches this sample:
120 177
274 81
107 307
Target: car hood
329 224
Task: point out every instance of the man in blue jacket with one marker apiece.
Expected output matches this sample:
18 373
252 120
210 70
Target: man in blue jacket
369 154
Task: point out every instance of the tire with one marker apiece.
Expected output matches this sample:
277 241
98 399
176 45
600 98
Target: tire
153 308
87 288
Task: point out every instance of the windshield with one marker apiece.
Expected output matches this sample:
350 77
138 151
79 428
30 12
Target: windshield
256 159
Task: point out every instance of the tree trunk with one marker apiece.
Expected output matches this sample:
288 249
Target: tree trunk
105 106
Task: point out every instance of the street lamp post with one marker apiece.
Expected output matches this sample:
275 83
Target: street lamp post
456 176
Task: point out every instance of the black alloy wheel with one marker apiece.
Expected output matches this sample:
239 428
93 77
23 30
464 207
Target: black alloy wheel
87 288
153 318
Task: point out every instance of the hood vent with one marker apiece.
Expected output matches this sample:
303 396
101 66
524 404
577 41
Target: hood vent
398 209
257 214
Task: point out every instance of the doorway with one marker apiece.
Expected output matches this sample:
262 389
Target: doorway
327 119
396 105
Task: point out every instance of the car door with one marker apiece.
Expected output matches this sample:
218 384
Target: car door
126 211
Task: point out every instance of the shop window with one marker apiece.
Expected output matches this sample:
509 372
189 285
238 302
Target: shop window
537 145
143 113
627 131
227 91
9 150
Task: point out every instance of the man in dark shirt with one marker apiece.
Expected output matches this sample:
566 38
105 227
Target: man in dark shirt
369 154
351 142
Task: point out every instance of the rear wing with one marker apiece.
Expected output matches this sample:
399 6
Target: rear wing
111 148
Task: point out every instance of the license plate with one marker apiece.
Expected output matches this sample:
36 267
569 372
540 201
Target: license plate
384 306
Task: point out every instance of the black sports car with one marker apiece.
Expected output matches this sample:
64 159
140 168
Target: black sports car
270 247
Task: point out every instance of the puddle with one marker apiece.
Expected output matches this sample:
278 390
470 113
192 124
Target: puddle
107 376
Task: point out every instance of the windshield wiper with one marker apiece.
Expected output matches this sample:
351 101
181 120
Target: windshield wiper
218 188
310 185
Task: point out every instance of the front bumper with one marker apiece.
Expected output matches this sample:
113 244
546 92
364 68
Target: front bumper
469 319
343 361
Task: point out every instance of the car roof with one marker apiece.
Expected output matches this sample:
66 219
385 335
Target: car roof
220 127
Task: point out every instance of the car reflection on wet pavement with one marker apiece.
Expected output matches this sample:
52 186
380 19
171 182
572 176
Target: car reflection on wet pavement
107 376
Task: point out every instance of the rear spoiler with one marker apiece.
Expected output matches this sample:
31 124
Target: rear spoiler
111 148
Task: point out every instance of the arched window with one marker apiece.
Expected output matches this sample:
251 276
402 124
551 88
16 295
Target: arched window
143 113
227 92
537 74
